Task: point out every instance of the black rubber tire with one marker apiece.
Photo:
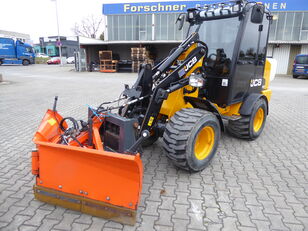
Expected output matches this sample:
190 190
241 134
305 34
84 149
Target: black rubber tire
180 136
243 128
295 76
25 62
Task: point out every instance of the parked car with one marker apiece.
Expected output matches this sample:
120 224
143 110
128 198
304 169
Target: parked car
41 55
54 60
70 60
300 66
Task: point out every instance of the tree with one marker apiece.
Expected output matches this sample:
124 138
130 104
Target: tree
102 36
88 27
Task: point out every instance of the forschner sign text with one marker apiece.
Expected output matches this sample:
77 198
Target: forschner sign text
153 8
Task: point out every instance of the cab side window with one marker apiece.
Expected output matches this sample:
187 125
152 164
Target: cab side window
29 49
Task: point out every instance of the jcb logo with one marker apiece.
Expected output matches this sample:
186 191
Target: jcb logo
190 63
255 82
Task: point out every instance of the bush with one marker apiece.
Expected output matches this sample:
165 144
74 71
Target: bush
40 60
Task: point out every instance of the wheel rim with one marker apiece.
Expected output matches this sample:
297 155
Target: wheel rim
204 143
258 120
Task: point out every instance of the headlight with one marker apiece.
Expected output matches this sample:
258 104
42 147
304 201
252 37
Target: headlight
196 80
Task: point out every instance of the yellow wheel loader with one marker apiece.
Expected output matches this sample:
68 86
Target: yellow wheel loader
218 73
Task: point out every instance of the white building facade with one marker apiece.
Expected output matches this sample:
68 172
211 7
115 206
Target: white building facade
16 36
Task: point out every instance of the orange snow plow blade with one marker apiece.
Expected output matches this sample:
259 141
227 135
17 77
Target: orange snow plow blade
90 180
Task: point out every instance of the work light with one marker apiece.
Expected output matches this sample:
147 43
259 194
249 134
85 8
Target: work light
196 80
216 10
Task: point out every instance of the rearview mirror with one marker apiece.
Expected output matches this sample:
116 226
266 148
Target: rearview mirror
180 21
257 13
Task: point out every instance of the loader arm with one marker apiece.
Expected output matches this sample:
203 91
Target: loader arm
165 87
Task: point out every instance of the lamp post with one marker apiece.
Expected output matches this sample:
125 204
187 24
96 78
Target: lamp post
59 40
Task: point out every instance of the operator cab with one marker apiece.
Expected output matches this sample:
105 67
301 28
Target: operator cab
236 35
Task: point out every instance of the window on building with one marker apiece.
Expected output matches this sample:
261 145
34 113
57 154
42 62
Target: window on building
116 27
171 24
304 32
110 27
165 27
122 28
135 26
304 35
297 26
272 34
289 26
139 27
130 27
142 28
149 24
305 22
280 25
161 27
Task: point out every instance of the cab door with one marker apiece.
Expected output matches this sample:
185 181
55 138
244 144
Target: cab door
248 77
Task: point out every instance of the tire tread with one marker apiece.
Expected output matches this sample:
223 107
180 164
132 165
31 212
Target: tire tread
177 134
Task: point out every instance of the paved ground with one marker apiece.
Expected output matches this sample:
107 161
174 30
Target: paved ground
259 185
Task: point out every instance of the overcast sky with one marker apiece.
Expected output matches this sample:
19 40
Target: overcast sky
38 17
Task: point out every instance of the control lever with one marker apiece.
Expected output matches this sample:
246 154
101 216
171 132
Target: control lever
55 104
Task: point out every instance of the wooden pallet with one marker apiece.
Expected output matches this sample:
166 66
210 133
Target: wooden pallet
105 55
108 65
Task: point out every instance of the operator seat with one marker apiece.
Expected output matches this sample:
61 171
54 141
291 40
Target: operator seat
219 66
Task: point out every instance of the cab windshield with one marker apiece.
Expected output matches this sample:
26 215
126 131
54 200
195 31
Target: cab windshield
218 34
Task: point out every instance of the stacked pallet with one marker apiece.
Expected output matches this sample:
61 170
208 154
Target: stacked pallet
106 62
140 55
